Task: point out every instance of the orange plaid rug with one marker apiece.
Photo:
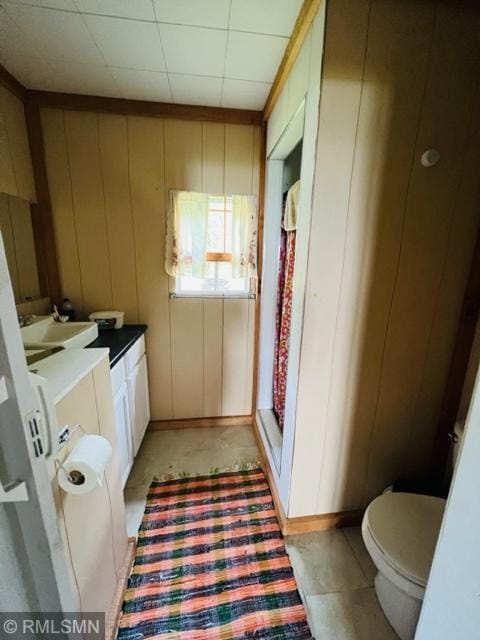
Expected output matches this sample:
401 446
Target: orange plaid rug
211 564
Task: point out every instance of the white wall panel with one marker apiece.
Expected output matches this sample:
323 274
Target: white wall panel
109 178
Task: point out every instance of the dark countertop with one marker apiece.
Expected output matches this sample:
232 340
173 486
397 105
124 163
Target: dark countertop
118 341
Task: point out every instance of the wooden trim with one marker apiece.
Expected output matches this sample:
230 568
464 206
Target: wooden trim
99 104
113 617
48 273
12 84
302 524
217 256
322 522
302 25
261 222
188 423
43 220
277 503
452 395
40 251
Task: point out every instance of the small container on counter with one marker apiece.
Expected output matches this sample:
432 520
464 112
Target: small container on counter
108 319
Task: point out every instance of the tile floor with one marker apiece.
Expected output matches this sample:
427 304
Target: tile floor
333 569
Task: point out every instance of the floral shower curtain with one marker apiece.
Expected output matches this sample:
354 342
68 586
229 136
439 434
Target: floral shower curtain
284 302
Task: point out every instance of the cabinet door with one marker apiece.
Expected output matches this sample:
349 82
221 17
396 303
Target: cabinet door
87 519
123 432
139 402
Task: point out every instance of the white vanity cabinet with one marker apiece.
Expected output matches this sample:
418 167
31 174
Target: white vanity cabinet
121 408
137 383
92 525
131 404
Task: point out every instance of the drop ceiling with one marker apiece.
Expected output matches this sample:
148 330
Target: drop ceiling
206 52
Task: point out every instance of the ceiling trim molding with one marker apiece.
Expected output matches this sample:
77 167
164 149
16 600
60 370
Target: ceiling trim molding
12 84
302 25
123 106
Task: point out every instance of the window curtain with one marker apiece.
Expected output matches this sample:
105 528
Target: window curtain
187 235
244 236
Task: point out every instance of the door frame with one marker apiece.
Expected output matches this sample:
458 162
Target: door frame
33 556
450 607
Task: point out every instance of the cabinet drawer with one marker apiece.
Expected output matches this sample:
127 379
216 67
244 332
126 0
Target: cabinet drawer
135 353
118 375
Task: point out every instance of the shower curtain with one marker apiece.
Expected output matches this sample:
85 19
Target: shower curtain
286 266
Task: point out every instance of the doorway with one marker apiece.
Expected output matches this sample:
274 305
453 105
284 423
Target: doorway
278 323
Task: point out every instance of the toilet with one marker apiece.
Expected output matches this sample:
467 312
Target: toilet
400 531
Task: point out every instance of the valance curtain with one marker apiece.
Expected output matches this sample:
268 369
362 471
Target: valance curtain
187 225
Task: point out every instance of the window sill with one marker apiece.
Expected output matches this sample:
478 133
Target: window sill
212 296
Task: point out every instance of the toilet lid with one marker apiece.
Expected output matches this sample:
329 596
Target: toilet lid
405 527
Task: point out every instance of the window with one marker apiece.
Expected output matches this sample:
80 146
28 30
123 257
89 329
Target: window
211 244
218 277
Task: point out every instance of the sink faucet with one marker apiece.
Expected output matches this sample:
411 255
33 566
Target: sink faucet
57 316
24 321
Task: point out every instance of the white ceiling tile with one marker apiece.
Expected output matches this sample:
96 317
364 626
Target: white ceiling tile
86 79
127 43
33 73
194 50
196 90
202 13
66 5
142 85
242 94
115 47
276 17
253 57
136 9
58 35
13 42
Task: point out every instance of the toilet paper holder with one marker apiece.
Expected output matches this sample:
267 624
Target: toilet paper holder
75 477
84 468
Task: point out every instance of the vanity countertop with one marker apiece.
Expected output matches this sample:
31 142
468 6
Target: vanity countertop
118 341
63 370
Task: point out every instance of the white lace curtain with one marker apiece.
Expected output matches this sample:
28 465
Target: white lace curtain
186 244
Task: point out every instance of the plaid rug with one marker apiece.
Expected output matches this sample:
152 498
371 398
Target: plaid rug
211 564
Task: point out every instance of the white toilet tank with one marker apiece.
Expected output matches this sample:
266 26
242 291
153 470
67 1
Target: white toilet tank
458 430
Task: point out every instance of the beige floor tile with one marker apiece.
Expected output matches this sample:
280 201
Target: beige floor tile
349 615
134 514
329 561
192 450
324 562
355 540
142 472
168 445
134 508
174 451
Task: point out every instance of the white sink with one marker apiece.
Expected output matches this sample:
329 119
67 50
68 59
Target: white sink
44 332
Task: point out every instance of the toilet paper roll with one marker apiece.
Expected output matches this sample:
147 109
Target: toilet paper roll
84 467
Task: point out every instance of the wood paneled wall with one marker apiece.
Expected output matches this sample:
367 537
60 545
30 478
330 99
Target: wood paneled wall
391 244
16 175
16 179
109 179
19 242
